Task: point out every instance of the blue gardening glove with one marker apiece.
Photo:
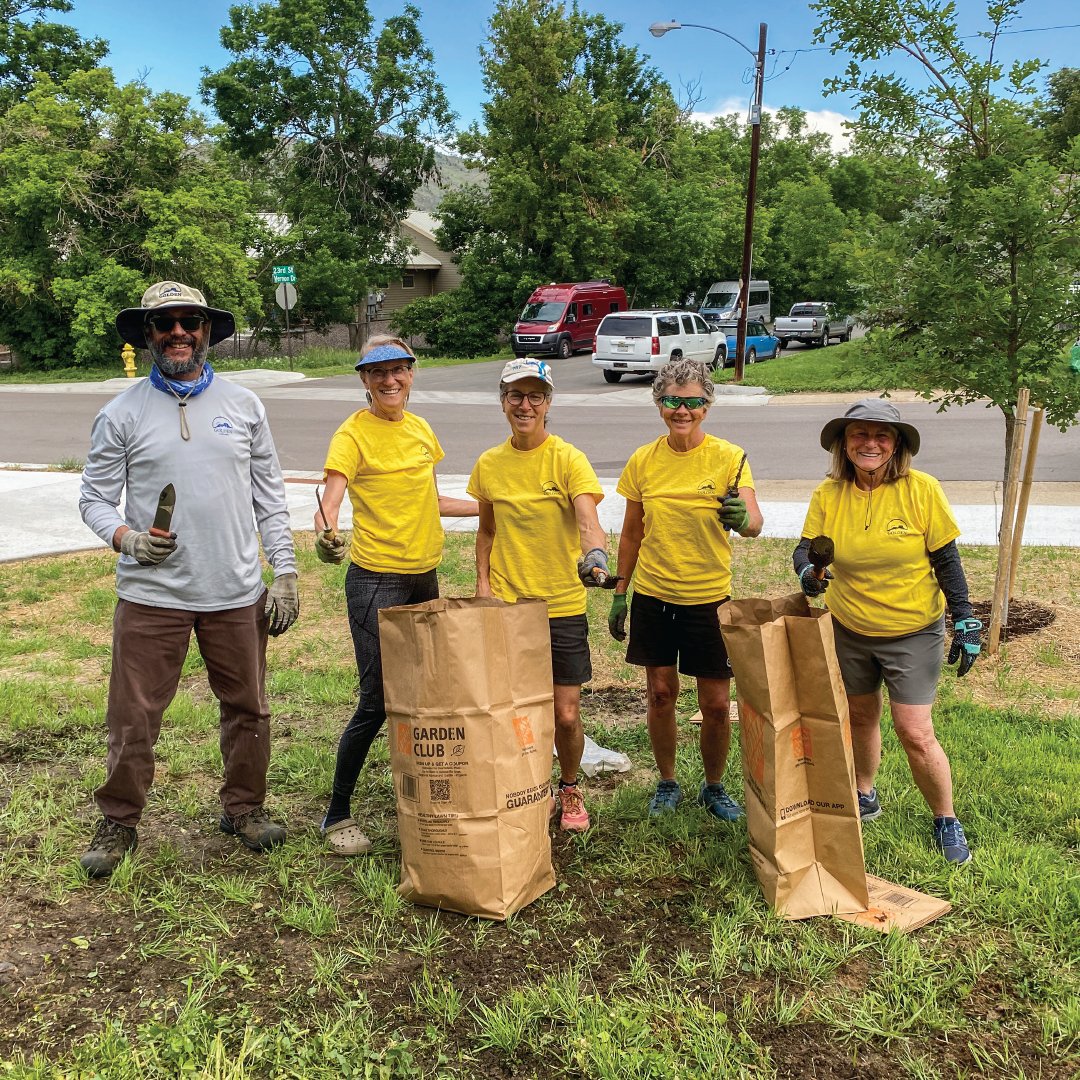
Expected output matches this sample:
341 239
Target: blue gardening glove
733 513
282 603
616 620
811 584
966 644
593 571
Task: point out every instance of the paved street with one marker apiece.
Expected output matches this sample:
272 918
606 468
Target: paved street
49 424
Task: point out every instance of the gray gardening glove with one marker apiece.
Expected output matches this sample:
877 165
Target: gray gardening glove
282 603
330 548
145 549
595 560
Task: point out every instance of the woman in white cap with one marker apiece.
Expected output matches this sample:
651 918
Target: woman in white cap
894 570
385 457
539 535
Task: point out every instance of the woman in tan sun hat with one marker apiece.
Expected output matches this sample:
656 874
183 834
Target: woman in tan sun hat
895 569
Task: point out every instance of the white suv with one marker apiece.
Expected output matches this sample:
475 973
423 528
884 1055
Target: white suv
641 342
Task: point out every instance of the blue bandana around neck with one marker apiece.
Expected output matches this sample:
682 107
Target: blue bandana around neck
181 389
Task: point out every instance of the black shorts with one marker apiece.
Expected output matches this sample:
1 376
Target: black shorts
662 634
571 664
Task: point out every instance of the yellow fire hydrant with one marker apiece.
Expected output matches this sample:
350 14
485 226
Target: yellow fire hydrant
127 354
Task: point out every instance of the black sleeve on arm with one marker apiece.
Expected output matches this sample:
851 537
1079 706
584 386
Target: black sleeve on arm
950 577
800 557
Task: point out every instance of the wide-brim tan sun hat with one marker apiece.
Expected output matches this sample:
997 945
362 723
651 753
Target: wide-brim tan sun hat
877 410
131 322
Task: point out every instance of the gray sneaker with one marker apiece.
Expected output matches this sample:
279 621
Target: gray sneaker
110 844
254 828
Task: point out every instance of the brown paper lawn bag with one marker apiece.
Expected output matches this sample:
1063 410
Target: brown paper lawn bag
471 724
801 805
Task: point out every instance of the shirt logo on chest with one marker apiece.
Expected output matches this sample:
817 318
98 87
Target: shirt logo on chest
897 527
222 425
425 453
706 487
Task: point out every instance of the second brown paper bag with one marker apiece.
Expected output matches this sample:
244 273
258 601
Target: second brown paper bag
801 804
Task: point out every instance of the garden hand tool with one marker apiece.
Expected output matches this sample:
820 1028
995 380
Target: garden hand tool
593 570
815 577
733 513
329 547
159 542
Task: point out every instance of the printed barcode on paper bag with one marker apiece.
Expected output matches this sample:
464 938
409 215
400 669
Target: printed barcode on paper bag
898 898
410 787
440 790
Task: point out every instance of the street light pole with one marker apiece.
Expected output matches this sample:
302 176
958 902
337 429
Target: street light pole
751 195
659 29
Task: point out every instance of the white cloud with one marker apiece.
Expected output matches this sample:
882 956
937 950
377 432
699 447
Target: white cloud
823 120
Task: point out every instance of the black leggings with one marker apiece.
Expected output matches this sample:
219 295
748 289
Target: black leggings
366 591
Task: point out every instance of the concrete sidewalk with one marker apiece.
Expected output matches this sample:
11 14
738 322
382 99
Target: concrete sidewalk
39 511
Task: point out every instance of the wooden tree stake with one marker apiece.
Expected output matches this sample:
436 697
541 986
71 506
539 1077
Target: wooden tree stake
1008 517
1025 496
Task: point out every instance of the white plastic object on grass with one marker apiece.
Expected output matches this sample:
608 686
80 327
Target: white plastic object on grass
598 759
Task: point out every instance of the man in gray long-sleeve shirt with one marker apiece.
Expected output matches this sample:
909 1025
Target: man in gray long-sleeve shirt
210 440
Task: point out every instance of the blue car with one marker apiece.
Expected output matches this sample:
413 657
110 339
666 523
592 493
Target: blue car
760 344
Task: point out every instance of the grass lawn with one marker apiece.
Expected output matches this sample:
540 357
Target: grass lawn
836 369
315 363
653 957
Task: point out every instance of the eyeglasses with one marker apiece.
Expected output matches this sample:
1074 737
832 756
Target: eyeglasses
164 323
516 397
387 372
670 401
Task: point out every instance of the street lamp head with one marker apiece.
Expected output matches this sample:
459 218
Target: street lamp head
659 29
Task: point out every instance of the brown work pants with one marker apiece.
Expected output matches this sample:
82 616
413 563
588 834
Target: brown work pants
149 647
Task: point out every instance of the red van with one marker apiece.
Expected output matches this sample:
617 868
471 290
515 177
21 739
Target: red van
561 319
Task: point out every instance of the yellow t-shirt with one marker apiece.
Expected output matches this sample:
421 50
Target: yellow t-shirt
883 584
390 467
537 543
685 555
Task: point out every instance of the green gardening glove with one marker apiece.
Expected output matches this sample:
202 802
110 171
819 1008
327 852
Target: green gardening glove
733 513
616 620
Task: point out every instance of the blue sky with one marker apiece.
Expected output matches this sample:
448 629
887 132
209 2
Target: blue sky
169 45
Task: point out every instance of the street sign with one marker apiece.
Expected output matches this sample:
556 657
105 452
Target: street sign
285 296
284 274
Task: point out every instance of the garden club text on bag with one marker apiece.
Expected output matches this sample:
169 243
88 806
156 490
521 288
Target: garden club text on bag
802 810
471 725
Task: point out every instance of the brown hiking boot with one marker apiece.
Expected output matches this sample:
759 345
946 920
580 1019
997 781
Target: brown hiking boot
111 843
255 829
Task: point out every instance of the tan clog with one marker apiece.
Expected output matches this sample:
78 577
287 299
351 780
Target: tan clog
346 838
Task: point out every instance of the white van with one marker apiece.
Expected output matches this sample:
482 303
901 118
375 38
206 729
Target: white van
721 303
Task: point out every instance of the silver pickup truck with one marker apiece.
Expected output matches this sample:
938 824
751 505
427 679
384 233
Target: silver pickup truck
813 322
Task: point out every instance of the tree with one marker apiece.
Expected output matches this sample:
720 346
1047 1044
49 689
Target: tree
970 291
103 190
1060 115
30 44
343 120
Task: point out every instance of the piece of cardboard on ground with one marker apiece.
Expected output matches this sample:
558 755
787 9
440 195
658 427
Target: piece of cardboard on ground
894 907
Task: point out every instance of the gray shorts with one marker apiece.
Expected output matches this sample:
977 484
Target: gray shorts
909 665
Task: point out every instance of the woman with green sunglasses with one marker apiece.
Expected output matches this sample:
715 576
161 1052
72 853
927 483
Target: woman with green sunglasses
685 493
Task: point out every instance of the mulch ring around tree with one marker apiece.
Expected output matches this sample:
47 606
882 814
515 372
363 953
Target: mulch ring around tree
1025 617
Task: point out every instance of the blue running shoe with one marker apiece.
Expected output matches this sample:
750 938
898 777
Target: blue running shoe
719 803
668 795
869 805
950 840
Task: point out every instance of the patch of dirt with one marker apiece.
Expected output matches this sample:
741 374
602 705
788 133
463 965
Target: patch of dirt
1025 617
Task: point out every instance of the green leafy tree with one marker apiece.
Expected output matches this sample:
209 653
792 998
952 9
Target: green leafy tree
970 291
342 118
104 189
1060 115
31 44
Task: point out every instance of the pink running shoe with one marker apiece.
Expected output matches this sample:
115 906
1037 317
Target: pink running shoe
575 818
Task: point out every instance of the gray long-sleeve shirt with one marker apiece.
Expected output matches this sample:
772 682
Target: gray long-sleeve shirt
229 491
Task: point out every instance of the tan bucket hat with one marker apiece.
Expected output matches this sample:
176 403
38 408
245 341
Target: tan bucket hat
131 322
